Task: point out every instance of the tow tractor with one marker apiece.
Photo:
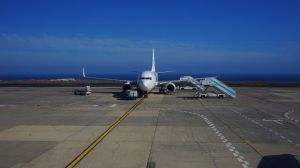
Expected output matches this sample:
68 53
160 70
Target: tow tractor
84 91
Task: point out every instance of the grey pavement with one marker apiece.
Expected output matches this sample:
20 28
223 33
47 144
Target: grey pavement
49 127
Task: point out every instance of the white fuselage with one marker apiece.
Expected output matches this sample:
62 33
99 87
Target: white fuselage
147 81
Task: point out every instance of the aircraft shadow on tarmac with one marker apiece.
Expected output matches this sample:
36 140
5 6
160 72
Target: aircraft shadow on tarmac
187 97
118 95
192 97
279 161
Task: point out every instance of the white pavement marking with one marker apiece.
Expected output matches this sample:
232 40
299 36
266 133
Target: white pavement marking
114 105
273 120
96 105
7 105
267 129
287 115
91 105
225 141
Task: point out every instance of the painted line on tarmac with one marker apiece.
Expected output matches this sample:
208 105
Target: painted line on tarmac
287 115
91 105
96 105
267 129
7 105
226 142
113 105
272 120
84 153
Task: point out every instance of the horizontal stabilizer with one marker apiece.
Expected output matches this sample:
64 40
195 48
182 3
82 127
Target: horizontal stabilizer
165 72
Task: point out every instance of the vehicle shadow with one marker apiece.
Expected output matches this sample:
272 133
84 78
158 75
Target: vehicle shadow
279 161
187 97
158 93
120 95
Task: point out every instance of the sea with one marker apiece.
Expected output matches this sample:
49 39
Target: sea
162 77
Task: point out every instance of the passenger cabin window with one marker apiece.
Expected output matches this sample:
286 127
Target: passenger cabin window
146 78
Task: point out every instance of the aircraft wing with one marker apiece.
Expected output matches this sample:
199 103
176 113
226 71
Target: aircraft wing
90 77
182 80
170 81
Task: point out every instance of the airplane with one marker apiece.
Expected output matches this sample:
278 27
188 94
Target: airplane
146 81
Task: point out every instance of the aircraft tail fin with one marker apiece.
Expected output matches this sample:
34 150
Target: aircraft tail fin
83 72
153 61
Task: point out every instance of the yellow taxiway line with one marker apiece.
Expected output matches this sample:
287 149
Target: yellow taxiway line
78 158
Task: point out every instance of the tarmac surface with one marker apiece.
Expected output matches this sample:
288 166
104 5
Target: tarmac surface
49 126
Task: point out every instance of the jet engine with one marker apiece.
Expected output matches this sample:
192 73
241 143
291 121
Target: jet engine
127 86
170 87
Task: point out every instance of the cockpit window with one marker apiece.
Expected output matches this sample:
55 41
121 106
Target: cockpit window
146 78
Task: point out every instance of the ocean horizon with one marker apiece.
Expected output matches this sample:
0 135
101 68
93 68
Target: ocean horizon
171 76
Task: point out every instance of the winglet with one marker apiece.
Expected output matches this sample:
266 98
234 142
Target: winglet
153 61
83 72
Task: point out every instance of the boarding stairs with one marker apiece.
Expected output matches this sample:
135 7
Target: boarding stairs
202 84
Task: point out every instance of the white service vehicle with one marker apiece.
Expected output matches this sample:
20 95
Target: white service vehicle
84 91
131 94
202 85
211 94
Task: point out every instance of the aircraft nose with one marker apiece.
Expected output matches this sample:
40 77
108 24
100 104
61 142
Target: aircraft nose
144 85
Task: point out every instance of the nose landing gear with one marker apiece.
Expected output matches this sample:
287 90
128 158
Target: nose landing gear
142 93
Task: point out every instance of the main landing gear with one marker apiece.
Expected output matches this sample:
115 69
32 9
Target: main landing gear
162 90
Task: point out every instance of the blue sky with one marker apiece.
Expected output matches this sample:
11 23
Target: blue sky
245 36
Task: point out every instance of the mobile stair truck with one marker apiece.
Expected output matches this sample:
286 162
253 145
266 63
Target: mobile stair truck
202 84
